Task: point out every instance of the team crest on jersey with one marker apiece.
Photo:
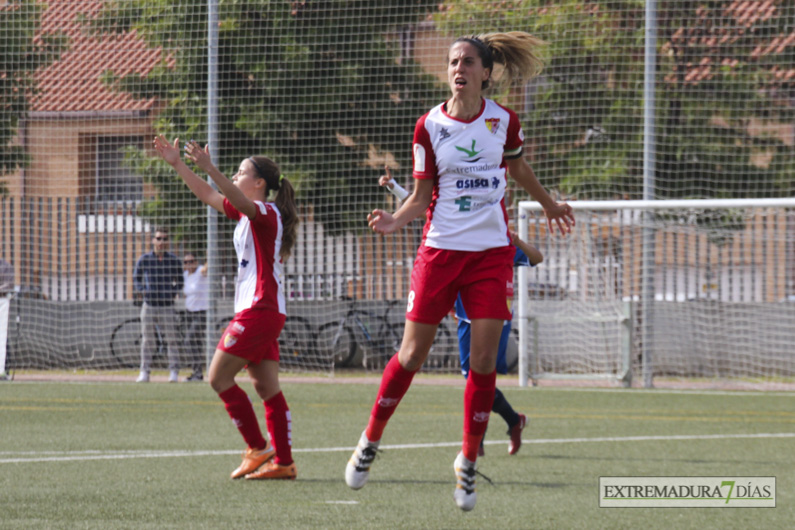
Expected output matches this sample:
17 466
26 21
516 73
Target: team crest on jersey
493 125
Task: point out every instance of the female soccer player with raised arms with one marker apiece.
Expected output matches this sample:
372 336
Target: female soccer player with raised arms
264 237
462 150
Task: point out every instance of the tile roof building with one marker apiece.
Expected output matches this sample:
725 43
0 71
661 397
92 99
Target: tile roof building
73 83
713 45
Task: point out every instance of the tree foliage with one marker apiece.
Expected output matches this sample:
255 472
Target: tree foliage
23 53
585 127
304 82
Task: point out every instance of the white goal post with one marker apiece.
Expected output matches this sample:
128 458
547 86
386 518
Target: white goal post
4 305
666 288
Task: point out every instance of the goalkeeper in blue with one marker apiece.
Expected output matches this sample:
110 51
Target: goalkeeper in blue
526 255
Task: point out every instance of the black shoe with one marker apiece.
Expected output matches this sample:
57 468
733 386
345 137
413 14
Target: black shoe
196 376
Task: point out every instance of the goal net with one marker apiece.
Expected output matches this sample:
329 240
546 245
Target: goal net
688 288
332 91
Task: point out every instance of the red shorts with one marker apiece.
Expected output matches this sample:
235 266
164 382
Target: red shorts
253 335
439 276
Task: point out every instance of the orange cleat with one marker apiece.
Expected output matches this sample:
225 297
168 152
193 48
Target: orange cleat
253 459
516 435
274 471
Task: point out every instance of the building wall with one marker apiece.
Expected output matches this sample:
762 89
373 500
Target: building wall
45 233
61 156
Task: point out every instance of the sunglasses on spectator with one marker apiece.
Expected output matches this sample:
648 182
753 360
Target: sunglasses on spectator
189 261
161 238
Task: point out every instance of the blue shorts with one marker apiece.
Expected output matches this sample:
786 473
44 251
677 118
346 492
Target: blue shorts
464 332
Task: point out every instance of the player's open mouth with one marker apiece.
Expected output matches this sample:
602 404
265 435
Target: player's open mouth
460 82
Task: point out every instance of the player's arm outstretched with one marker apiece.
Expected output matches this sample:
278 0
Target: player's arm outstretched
415 205
560 213
201 157
200 188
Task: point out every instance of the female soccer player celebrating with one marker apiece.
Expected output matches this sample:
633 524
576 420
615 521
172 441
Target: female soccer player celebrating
462 149
264 237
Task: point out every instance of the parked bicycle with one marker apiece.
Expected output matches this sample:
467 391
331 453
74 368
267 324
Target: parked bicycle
125 341
371 332
297 345
444 351
296 342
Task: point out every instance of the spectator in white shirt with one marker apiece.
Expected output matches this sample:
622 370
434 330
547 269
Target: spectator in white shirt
195 289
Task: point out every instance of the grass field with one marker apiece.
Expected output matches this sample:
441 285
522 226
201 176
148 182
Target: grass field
121 455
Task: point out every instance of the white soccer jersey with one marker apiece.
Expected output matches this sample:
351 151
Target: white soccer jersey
258 242
466 160
195 288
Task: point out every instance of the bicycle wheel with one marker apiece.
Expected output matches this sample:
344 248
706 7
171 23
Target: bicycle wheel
125 343
396 335
220 326
337 343
296 343
444 352
384 345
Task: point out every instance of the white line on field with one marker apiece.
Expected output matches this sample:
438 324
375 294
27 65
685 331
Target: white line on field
660 391
19 457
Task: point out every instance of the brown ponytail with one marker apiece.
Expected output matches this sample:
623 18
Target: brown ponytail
269 171
285 202
517 51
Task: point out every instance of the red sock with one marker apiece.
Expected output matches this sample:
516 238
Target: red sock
279 421
478 399
239 408
394 384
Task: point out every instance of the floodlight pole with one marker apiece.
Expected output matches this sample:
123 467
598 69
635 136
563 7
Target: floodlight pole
649 166
213 250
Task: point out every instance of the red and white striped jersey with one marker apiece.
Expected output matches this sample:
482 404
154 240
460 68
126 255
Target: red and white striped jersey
466 160
258 242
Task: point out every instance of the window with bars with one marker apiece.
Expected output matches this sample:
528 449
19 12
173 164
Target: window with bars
113 181
106 184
